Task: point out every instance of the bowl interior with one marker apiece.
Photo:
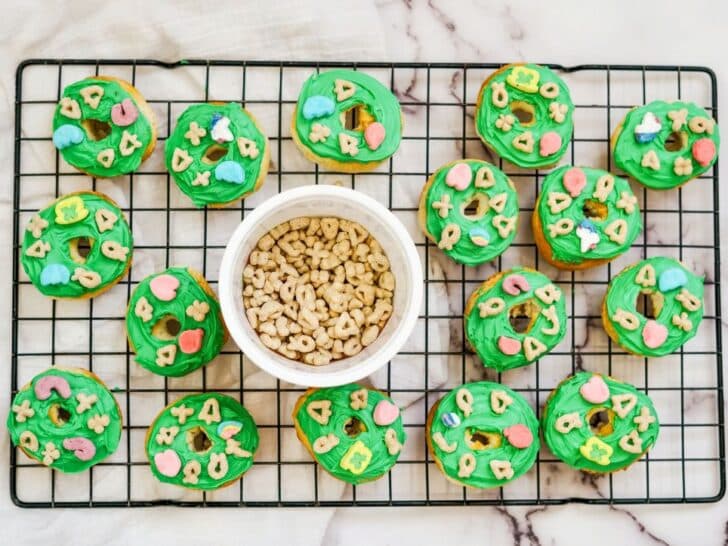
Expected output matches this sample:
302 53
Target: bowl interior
395 241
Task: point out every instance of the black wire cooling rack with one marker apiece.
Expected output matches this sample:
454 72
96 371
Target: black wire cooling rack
686 465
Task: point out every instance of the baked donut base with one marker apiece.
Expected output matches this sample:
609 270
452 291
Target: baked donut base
145 110
612 145
302 436
90 375
488 145
264 165
129 260
200 279
547 252
331 164
544 412
146 441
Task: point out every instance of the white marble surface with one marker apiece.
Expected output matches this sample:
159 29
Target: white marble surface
563 32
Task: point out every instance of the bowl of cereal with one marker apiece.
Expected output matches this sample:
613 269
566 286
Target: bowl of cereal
320 285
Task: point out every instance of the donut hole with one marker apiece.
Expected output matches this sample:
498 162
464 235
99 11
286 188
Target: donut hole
649 303
79 249
595 210
354 427
476 208
214 153
356 118
676 141
96 129
523 316
601 421
524 112
479 440
58 415
166 328
198 440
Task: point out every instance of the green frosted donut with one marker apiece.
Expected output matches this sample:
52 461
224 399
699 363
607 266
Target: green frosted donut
483 434
469 208
202 441
65 418
354 433
217 153
542 99
677 303
665 144
515 317
174 323
598 424
584 217
319 120
77 247
104 127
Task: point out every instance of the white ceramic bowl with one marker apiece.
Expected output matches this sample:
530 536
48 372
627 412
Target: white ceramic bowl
323 200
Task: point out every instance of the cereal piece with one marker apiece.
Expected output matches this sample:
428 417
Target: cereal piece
352 346
369 335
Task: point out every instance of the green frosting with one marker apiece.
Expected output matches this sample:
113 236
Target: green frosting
489 424
122 149
598 424
50 256
354 433
537 304
482 234
202 441
543 140
677 301
66 419
587 214
239 153
639 148
320 112
159 300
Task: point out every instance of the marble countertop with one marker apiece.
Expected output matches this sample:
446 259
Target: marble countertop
467 31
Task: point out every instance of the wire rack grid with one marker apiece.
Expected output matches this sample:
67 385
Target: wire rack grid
686 465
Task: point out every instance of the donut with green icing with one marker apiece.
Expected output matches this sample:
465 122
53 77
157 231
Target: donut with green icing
597 424
514 318
77 247
104 127
584 217
202 441
676 295
174 323
469 208
662 144
483 435
66 419
354 433
524 113
331 102
217 153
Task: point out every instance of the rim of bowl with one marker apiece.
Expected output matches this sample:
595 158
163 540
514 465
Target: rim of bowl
254 349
